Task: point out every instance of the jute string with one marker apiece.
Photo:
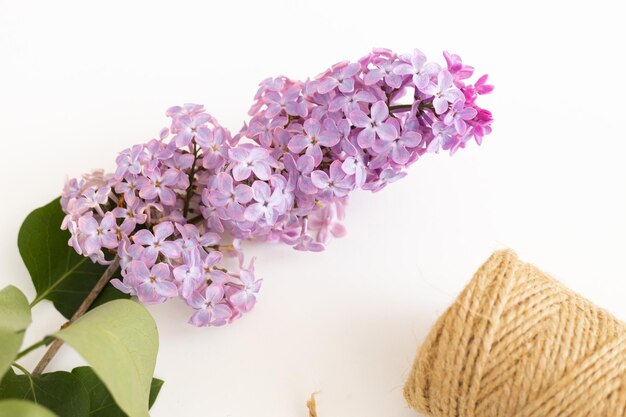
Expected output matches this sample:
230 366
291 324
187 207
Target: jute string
517 343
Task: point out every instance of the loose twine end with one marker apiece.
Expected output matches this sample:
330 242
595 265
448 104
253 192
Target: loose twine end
312 405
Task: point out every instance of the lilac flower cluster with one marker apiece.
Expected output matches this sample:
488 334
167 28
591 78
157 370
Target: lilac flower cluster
176 205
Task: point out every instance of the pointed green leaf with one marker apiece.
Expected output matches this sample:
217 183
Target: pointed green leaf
14 319
60 392
58 272
102 404
119 340
21 408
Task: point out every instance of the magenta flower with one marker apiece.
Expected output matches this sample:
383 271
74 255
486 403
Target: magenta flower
312 140
307 243
210 273
156 151
350 101
418 68
97 235
129 161
281 141
354 164
180 162
458 114
188 127
266 203
337 182
210 308
456 67
244 297
267 86
192 238
373 126
132 214
125 285
214 150
481 85
262 128
301 170
152 285
270 84
193 194
481 125
341 78
93 198
397 147
387 176
159 185
287 101
230 197
384 71
212 218
325 221
130 186
443 137
248 161
444 92
189 275
154 244
187 109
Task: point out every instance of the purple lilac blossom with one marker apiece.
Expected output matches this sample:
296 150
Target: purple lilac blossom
176 206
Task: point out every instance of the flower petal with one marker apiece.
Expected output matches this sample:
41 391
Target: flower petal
360 119
166 289
143 237
253 212
201 318
167 196
170 249
163 230
262 170
380 111
298 143
366 137
241 172
386 131
403 69
320 179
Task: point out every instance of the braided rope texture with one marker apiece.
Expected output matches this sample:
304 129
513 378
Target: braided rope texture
517 343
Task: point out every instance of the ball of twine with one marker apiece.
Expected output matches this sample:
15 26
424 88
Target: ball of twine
517 343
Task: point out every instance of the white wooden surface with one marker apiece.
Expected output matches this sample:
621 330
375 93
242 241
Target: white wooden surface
80 81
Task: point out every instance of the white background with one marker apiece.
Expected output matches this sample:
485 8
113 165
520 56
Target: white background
80 81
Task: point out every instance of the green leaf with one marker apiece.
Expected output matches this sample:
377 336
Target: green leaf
58 272
102 404
14 319
21 408
60 392
119 340
155 388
